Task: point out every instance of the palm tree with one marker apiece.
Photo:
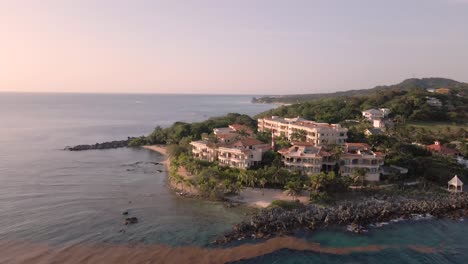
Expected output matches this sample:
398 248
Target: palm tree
299 135
242 177
292 188
262 182
317 181
359 175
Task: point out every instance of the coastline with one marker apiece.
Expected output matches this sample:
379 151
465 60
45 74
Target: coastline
180 188
252 197
355 215
161 149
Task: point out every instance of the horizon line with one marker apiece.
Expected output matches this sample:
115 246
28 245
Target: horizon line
123 93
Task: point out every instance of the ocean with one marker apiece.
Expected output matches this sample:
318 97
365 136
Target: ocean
56 205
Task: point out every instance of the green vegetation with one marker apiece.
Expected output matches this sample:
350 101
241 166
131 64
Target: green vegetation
193 131
405 105
413 121
406 85
287 205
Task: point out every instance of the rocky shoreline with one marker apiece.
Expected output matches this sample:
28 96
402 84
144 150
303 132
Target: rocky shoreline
356 215
104 145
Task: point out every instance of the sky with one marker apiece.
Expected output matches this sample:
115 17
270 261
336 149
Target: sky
228 47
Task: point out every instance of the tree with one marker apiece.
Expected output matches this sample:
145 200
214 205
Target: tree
299 135
318 182
359 175
293 188
262 182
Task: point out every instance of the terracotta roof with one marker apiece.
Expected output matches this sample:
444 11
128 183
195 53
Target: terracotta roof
238 127
227 136
298 143
441 149
379 154
245 142
364 145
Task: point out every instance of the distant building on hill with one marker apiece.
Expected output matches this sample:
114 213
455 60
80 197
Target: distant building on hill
432 101
376 114
440 149
442 91
316 133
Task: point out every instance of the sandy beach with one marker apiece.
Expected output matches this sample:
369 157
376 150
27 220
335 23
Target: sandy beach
162 150
256 197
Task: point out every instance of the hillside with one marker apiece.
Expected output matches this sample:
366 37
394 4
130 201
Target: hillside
408 101
406 85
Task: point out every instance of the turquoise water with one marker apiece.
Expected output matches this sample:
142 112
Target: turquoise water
63 198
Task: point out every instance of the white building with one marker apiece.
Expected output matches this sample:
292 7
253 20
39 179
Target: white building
242 154
376 114
316 133
307 158
204 150
359 155
432 101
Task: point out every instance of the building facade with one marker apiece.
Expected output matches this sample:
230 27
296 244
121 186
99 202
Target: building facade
204 150
316 133
243 153
307 158
376 114
359 155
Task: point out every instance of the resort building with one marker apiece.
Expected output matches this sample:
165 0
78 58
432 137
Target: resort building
359 155
316 133
232 133
243 153
232 150
227 138
307 158
204 150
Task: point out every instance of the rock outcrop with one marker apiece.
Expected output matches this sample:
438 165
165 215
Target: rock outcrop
357 215
103 145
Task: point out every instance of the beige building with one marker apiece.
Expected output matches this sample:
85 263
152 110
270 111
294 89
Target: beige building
359 155
242 154
204 150
316 133
376 114
307 158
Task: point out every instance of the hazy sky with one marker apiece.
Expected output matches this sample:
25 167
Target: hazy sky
238 46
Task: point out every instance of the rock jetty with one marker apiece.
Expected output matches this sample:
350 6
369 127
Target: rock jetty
279 221
103 145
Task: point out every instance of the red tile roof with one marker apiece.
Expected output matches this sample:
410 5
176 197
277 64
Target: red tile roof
238 127
227 136
364 145
247 142
441 149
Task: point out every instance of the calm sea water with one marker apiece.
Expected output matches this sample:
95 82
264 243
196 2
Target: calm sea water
63 198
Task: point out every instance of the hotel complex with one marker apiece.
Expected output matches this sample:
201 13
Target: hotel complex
316 133
237 147
359 155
